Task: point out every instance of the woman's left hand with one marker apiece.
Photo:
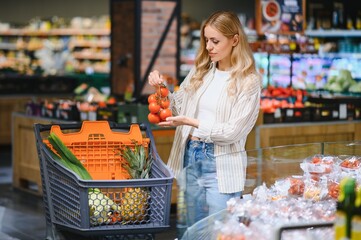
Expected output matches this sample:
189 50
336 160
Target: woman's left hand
178 121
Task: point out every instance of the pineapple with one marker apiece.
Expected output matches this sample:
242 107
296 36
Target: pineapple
134 201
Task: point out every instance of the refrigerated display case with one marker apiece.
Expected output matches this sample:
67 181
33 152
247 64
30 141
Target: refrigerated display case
273 208
280 70
310 71
304 70
351 62
262 63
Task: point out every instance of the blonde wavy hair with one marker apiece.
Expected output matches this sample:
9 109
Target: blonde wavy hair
242 61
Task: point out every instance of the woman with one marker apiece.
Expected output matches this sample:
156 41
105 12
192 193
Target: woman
214 110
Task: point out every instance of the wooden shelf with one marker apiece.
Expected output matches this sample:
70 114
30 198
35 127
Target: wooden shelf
90 44
55 32
89 41
92 56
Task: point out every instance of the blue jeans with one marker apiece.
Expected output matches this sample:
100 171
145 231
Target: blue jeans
199 196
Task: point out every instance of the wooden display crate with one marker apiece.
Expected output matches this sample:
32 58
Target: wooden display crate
26 170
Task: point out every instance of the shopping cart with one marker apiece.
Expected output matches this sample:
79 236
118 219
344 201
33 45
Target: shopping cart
66 197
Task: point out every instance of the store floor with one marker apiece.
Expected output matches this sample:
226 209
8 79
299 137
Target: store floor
22 214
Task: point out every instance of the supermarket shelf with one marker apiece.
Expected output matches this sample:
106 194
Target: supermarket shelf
8 46
333 33
91 44
54 32
88 47
95 56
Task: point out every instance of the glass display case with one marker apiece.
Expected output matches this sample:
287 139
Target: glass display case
280 182
351 62
310 71
280 70
262 62
305 71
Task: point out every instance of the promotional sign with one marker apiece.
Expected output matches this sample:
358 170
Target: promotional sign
280 16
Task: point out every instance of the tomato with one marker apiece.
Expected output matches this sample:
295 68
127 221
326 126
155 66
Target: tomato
152 98
351 163
153 107
333 189
112 100
316 160
102 104
162 91
164 113
297 186
316 176
153 118
164 103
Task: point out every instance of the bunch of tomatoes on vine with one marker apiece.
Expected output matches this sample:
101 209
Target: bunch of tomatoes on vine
158 105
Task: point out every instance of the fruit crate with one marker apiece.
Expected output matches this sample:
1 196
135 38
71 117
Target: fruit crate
87 207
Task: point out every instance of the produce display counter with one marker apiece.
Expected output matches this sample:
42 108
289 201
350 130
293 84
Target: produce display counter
270 135
17 103
7 106
26 170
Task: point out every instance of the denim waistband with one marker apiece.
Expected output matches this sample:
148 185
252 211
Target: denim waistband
196 143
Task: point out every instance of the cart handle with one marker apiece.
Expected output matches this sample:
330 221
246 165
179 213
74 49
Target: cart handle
68 126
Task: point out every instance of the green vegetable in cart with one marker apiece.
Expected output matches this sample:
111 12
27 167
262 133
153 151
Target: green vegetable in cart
71 160
134 201
101 207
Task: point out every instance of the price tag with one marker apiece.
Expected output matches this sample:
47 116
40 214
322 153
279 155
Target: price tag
134 119
343 111
277 113
289 113
335 114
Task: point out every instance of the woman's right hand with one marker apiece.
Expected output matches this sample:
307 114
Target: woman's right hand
155 78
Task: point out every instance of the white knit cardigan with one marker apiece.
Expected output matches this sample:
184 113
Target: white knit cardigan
235 117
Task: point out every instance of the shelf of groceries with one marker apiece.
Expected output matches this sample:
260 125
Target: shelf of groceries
306 87
303 82
56 47
291 192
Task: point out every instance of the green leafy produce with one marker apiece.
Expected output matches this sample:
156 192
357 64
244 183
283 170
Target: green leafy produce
136 161
66 155
340 82
355 88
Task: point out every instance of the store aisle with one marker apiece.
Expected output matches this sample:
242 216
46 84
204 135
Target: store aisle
22 214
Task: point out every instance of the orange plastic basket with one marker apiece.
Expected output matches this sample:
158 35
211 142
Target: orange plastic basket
97 147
